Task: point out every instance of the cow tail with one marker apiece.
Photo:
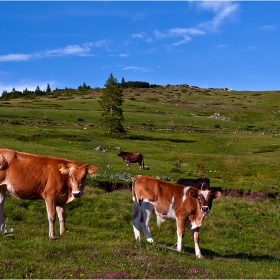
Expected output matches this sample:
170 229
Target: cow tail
143 164
134 199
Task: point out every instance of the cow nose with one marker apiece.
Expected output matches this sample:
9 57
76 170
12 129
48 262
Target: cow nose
77 194
205 209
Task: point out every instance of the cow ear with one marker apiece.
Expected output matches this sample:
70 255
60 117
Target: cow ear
63 169
3 163
217 194
193 194
92 170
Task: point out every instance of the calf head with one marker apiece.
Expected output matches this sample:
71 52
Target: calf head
77 174
205 199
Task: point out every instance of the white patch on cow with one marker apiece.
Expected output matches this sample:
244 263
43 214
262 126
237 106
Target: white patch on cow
205 193
194 225
10 189
179 243
146 200
70 199
171 212
185 191
75 192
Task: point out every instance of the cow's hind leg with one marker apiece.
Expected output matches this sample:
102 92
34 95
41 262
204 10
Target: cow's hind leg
146 208
136 216
61 217
195 233
3 190
180 233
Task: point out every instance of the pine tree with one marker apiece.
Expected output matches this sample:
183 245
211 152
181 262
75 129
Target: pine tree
48 90
111 102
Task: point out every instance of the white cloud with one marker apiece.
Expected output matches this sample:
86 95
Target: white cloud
123 55
137 69
138 35
268 27
179 32
70 50
14 57
222 10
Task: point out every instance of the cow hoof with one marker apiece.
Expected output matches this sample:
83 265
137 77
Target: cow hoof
199 256
150 240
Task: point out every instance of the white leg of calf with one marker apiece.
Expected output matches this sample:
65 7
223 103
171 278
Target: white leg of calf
2 199
146 209
195 233
51 228
136 215
61 217
51 217
136 230
179 242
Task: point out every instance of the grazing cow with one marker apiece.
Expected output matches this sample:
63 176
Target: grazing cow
197 183
187 205
56 180
131 158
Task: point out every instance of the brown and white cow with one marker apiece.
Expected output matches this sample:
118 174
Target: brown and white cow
187 205
56 180
131 158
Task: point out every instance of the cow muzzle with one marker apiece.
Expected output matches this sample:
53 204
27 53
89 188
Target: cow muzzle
77 194
205 210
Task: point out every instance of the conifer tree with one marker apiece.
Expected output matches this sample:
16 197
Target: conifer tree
111 102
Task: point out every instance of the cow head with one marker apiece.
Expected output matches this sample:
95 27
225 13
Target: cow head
119 153
77 174
205 199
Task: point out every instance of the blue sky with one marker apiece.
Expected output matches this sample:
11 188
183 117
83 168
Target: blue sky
207 44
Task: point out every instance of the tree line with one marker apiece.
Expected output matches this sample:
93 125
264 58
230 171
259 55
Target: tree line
83 88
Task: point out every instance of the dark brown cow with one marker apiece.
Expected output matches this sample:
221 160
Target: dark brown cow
131 158
197 183
187 205
56 180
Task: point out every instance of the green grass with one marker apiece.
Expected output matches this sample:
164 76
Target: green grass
239 238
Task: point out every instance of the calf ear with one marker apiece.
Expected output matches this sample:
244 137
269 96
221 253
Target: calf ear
63 169
193 194
92 170
217 194
3 163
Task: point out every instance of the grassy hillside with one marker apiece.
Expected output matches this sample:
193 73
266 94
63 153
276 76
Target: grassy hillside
230 137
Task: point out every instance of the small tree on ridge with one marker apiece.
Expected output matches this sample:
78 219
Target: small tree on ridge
111 102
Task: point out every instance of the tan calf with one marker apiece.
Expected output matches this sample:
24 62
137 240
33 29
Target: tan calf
187 205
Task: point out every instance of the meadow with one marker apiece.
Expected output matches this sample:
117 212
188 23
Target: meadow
230 137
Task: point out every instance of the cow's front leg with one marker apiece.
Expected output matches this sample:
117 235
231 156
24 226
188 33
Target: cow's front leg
61 217
180 233
195 233
2 200
51 216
